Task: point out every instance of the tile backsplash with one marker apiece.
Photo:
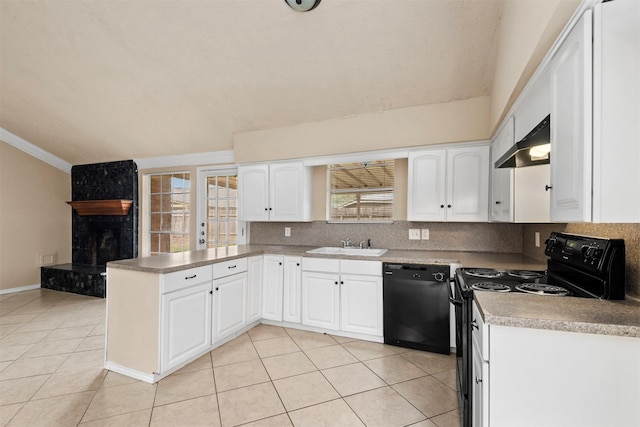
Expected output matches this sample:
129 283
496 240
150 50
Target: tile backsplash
475 237
629 232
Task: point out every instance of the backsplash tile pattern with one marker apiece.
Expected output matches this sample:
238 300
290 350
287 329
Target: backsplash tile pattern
629 232
475 237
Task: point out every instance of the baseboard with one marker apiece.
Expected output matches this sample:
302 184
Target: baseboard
19 289
142 376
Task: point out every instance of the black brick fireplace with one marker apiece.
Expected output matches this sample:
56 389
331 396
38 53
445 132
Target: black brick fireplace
104 226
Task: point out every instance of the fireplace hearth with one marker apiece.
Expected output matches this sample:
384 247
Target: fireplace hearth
101 233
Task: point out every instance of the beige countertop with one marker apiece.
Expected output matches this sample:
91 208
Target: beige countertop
169 263
571 314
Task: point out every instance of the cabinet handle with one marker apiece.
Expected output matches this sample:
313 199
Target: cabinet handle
279 263
547 187
266 209
336 283
297 264
474 324
448 206
341 282
232 266
270 209
478 380
190 277
441 206
210 292
216 289
498 202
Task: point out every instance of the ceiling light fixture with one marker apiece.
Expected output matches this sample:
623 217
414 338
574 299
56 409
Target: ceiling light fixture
302 5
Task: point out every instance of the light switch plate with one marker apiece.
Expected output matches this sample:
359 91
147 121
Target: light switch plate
425 234
537 239
414 234
287 232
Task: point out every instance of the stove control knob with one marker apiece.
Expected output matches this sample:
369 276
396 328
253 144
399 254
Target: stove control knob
439 277
551 243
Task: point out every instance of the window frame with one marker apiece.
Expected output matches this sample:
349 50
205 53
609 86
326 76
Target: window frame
331 191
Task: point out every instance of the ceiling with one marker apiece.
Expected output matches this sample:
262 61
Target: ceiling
111 80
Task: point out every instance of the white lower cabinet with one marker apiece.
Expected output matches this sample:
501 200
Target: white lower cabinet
320 299
229 309
480 371
291 289
361 304
548 378
272 287
185 322
281 288
254 288
343 295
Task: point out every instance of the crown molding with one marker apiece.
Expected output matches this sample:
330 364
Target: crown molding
208 158
33 150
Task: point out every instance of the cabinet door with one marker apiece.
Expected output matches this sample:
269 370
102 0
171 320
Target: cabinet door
571 134
229 311
616 111
272 281
320 300
186 325
479 395
468 184
289 192
292 289
361 304
253 193
426 200
502 179
254 288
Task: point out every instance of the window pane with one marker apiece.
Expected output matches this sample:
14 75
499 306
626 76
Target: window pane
362 191
222 202
169 221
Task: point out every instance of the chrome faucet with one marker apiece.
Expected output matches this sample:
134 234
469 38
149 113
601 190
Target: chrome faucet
347 243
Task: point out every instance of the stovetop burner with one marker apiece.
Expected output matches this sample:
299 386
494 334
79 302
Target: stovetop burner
524 274
542 289
485 273
491 286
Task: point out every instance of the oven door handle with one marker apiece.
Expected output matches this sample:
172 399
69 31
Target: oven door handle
452 300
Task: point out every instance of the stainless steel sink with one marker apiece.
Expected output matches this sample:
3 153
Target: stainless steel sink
329 250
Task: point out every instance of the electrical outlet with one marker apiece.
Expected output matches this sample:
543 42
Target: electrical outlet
287 232
425 234
537 239
414 234
46 259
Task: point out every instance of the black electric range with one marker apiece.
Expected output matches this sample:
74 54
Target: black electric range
577 266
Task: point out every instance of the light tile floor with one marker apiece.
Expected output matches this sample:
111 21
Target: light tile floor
52 351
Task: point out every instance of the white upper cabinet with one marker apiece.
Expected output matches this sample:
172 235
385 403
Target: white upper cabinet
426 186
274 192
616 111
449 184
501 179
571 107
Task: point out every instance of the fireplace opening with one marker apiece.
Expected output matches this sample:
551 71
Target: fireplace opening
105 246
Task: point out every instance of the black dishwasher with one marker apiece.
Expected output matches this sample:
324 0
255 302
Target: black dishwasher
416 306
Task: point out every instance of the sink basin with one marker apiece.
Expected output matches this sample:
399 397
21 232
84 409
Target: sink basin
329 250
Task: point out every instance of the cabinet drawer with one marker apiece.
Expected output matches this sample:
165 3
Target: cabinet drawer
480 332
184 278
321 264
227 268
368 268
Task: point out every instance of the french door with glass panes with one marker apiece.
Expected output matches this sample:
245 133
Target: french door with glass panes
218 224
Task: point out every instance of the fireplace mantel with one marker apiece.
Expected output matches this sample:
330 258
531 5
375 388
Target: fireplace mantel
118 207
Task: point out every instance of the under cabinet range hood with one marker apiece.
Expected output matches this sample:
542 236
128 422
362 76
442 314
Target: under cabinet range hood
532 150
